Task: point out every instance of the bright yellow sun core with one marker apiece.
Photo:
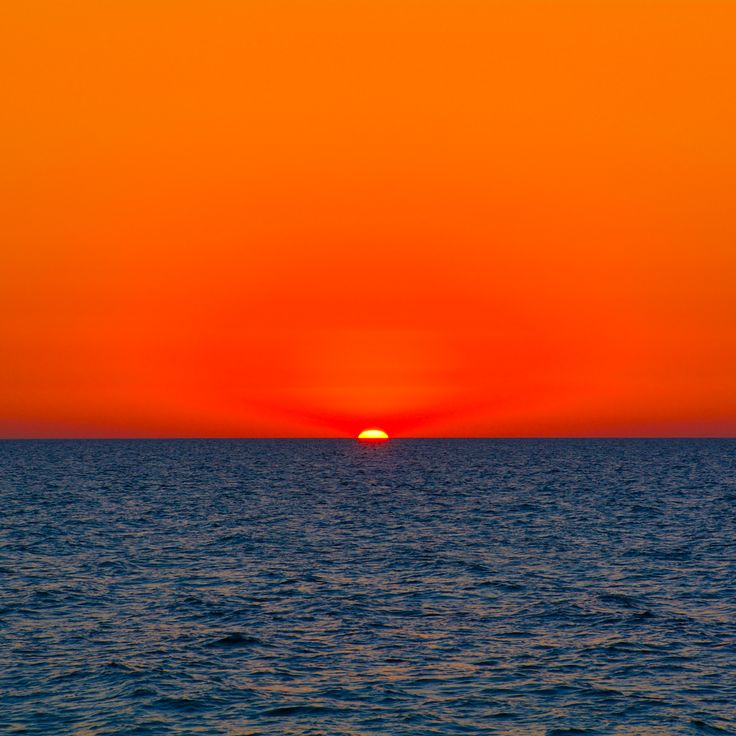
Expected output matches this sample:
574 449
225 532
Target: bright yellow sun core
372 434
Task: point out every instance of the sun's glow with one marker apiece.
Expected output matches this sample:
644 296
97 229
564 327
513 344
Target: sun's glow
372 434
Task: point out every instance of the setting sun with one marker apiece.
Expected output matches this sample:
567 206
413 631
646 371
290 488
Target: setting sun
372 434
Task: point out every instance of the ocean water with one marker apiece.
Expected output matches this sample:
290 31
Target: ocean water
415 587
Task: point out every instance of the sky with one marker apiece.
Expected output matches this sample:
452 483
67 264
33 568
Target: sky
305 217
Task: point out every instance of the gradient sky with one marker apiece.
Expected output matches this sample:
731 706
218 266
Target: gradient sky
304 217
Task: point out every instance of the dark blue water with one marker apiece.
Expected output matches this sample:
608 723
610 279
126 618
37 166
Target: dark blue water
330 587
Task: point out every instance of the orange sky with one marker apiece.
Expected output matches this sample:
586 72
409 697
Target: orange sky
304 217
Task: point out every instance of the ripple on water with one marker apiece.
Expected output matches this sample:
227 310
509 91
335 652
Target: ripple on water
323 587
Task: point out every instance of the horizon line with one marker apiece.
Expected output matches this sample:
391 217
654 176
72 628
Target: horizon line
333 437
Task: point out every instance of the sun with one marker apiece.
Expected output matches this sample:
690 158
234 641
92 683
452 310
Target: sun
373 434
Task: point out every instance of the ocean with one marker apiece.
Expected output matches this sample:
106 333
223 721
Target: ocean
330 587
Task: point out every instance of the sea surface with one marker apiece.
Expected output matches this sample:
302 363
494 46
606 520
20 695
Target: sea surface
409 588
